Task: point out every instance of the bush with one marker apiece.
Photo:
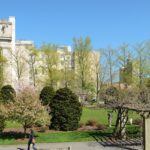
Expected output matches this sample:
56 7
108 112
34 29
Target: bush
65 110
2 123
100 126
8 93
112 91
47 94
81 125
138 122
91 123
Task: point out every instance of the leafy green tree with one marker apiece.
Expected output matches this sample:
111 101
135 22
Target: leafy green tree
8 93
47 94
148 83
50 58
82 50
141 70
65 110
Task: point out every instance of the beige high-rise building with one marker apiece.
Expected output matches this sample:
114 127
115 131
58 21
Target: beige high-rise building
15 70
18 69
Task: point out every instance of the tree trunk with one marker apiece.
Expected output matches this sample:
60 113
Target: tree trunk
120 127
25 129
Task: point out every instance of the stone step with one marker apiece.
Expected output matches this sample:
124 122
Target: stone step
60 148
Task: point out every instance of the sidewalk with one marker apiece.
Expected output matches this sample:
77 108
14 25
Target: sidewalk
64 146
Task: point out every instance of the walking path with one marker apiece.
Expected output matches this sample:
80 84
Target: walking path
72 145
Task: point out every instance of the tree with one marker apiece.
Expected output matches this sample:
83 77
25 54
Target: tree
19 63
3 116
50 56
8 93
33 54
27 109
110 59
142 64
124 100
65 110
103 69
67 70
47 94
82 50
125 64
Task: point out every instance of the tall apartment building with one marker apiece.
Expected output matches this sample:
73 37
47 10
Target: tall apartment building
12 51
18 69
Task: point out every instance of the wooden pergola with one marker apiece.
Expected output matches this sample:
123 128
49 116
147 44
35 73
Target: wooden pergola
144 111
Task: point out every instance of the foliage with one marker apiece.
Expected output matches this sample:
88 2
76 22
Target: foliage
148 84
3 116
51 60
112 91
82 48
47 94
28 110
100 126
65 110
8 93
138 121
143 96
2 123
91 122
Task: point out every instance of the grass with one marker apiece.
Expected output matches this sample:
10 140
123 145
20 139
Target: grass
53 137
71 136
99 115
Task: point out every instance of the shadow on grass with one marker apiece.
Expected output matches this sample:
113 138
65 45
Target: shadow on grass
106 139
13 135
100 136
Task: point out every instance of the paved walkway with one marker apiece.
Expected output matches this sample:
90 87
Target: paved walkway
72 145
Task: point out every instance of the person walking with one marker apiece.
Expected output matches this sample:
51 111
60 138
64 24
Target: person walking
31 140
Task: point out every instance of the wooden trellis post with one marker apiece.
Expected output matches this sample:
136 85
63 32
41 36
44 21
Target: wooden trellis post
146 135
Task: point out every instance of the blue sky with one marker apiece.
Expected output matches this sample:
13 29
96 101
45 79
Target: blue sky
107 22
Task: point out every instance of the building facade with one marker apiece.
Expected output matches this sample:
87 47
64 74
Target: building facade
14 52
23 68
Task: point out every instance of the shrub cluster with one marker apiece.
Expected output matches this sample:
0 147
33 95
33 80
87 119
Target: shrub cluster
65 110
8 93
47 94
138 122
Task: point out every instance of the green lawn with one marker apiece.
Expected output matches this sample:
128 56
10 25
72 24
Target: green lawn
53 137
74 136
99 115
